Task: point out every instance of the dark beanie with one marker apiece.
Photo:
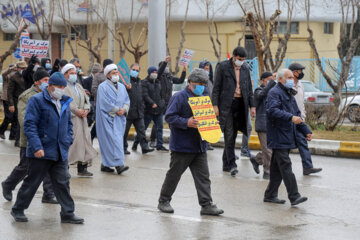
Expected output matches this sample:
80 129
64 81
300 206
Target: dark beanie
152 69
58 79
265 75
107 62
63 62
40 74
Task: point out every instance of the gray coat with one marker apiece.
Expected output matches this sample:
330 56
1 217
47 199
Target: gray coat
97 80
260 95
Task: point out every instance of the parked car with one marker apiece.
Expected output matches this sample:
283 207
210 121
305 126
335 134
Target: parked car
352 105
314 96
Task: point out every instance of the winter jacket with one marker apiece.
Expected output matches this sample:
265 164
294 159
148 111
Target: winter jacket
87 82
260 95
15 88
167 81
152 95
280 108
183 138
6 78
97 80
46 129
136 110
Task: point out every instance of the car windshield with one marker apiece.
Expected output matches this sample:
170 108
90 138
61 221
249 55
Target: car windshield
310 87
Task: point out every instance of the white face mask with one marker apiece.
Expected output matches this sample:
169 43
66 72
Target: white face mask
57 93
115 79
239 63
153 76
72 78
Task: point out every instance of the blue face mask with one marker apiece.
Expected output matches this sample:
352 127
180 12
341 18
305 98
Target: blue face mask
134 73
199 89
48 66
43 86
289 83
208 73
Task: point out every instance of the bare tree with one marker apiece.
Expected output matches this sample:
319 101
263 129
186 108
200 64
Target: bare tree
216 43
348 10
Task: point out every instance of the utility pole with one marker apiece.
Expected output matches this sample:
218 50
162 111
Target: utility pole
111 29
157 32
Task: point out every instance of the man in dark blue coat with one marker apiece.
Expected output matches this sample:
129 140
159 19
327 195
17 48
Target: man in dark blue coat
187 147
283 119
49 131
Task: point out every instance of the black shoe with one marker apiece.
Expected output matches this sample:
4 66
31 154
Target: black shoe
121 169
85 173
165 207
7 193
255 165
106 169
162 149
209 147
19 217
49 200
233 171
72 219
274 200
237 157
17 144
211 209
308 171
2 136
266 176
147 150
152 144
134 147
299 200
226 169
126 152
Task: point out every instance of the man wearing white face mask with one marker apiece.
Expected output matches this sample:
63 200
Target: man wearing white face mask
81 151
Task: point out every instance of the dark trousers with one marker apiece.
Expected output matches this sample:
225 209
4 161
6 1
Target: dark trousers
235 119
153 133
158 122
280 169
197 162
60 178
140 132
20 172
9 118
304 150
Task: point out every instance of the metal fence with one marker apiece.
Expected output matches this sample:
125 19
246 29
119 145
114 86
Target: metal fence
332 67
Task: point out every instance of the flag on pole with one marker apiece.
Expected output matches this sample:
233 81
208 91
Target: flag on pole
124 72
228 55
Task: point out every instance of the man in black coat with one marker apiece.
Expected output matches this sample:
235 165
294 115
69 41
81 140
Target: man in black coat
232 96
87 86
136 112
33 65
260 94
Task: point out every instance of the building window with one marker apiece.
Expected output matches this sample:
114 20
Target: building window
79 31
294 27
9 36
328 28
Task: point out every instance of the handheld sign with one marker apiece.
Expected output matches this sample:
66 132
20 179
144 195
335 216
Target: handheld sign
203 111
124 72
186 57
31 47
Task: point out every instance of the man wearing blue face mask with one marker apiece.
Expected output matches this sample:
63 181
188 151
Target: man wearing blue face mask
188 150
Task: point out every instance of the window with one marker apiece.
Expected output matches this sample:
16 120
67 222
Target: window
9 36
328 28
80 31
294 27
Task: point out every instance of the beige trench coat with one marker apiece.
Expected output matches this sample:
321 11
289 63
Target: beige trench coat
81 151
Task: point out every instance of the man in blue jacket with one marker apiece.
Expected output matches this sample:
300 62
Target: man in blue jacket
49 131
187 147
283 119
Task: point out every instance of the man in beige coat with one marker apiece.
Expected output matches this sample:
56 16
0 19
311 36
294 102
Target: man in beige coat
81 151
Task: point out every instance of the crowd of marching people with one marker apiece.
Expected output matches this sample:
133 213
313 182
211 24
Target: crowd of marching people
55 113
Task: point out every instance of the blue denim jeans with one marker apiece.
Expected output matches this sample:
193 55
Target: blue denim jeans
158 121
304 150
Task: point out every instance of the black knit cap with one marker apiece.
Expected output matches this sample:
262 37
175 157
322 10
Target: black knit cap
107 62
40 74
265 75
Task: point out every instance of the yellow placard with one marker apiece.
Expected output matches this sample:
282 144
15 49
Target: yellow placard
203 111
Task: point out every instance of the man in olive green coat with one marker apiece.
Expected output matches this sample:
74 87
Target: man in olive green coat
41 77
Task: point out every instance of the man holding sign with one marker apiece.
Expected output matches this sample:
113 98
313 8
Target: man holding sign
187 147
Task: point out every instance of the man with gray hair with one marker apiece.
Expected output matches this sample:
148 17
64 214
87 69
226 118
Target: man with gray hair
79 72
187 147
283 120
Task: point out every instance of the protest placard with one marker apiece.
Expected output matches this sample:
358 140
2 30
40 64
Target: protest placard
203 111
31 47
124 72
186 57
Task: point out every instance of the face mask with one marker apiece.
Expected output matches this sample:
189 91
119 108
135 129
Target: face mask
239 63
199 89
78 70
72 78
289 83
115 79
43 86
35 68
301 75
57 93
208 73
134 73
167 70
153 76
47 65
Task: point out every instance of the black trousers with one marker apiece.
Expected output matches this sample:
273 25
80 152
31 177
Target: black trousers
20 172
197 162
140 132
235 119
9 118
280 169
60 178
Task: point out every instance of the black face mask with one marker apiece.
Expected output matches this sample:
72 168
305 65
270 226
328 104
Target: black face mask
301 75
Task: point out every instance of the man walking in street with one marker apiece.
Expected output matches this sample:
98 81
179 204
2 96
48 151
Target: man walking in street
48 128
188 150
308 168
283 118
232 96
